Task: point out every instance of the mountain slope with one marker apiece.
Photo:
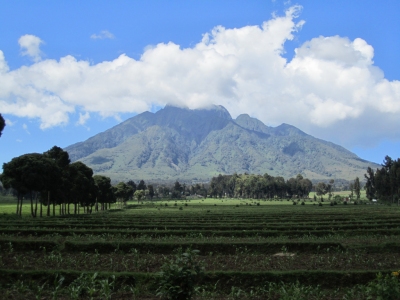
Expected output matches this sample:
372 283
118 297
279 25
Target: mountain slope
178 143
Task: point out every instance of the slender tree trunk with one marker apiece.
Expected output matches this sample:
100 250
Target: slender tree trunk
20 206
54 208
41 209
17 204
35 206
33 215
48 203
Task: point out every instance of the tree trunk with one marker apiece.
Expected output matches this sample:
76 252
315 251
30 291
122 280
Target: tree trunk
33 215
17 204
36 206
54 208
41 209
48 203
20 206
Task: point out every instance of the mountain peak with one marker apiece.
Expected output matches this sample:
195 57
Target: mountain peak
185 144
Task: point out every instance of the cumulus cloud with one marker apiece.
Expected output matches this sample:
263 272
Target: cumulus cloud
330 88
104 34
30 46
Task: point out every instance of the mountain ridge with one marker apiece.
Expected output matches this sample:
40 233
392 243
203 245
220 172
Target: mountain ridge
180 143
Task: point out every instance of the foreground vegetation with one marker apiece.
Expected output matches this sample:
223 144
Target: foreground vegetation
248 249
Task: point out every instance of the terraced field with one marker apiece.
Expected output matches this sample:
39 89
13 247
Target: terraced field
248 252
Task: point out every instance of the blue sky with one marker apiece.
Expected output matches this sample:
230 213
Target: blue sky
71 69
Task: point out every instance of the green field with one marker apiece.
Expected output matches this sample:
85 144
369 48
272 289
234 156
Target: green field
250 249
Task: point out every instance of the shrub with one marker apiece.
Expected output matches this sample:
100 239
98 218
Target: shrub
303 203
320 204
345 202
179 276
331 204
384 287
186 204
258 204
294 202
180 208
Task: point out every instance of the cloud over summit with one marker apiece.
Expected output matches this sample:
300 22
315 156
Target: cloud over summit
330 83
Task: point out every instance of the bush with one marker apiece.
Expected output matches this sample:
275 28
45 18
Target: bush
180 208
303 203
345 202
186 204
320 204
179 276
384 287
294 202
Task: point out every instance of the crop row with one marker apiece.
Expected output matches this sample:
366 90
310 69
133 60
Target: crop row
204 247
193 233
329 279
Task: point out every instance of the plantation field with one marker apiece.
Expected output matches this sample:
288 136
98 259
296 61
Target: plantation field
249 249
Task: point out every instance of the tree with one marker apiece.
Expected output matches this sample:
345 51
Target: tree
369 187
357 188
123 192
151 191
59 191
141 185
2 124
176 192
321 188
351 187
132 184
104 191
139 194
82 186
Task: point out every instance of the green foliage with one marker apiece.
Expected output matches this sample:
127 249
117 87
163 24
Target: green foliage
384 287
179 276
2 124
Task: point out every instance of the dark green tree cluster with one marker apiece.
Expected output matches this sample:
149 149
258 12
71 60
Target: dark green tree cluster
2 124
50 179
259 186
384 183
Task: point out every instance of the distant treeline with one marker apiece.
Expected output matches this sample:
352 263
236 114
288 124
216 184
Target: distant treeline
259 186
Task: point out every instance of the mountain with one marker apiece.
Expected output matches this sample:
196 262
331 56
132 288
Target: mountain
182 144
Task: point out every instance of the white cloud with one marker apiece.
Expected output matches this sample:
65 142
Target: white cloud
83 118
9 122
25 127
330 88
104 34
30 46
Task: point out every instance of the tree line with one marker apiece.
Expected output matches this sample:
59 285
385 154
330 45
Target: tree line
259 186
384 183
50 179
